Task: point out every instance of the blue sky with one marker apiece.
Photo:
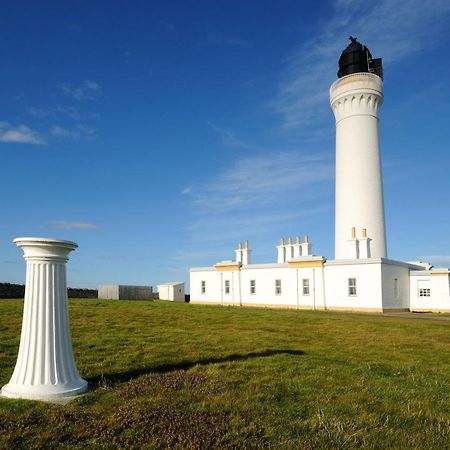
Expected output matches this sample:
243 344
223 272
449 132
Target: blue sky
157 135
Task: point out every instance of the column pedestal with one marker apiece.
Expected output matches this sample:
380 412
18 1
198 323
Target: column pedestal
45 367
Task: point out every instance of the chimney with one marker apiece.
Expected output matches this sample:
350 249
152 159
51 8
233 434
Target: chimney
297 247
353 244
239 253
364 245
281 252
246 252
289 249
306 247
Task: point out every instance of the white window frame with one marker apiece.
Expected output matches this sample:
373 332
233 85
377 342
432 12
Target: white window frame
424 292
305 286
252 287
278 287
203 288
352 292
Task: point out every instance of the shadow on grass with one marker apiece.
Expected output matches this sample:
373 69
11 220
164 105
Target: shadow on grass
121 377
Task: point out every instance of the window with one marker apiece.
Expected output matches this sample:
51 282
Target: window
423 288
396 292
424 292
203 287
277 287
305 286
352 287
252 286
227 286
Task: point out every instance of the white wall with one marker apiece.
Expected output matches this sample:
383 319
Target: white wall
265 295
265 286
213 292
368 286
439 299
171 292
395 298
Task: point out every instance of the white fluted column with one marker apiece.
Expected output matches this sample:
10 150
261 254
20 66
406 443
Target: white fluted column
45 367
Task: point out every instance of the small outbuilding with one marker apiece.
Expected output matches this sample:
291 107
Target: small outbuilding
124 292
171 291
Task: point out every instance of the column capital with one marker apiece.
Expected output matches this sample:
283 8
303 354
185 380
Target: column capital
45 249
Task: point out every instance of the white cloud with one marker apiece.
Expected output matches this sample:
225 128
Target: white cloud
60 111
38 112
80 130
87 131
392 29
217 228
261 181
72 225
228 138
61 132
260 195
20 134
186 190
88 90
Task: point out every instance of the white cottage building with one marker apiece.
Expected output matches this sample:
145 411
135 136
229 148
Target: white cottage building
172 291
361 277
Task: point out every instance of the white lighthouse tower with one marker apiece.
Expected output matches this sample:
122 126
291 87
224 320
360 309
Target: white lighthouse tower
355 99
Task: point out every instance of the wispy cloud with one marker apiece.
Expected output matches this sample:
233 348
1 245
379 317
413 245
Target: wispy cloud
71 225
61 132
88 90
228 138
257 195
20 134
223 228
261 181
393 30
186 190
52 112
75 133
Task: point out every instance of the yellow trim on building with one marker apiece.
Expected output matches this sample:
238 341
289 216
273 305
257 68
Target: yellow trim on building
306 263
440 274
227 268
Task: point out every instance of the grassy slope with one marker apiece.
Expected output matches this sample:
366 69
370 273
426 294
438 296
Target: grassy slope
189 376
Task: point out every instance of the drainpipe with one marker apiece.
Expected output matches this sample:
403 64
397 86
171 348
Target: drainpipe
240 289
314 288
232 287
221 288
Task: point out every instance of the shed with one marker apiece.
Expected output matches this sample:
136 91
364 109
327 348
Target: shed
173 291
124 292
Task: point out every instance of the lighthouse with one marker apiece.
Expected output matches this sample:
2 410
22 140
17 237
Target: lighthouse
356 98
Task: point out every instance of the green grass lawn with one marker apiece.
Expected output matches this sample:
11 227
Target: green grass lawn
168 375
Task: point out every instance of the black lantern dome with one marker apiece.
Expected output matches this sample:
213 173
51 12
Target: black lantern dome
357 58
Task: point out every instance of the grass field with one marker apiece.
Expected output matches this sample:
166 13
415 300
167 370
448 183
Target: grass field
170 375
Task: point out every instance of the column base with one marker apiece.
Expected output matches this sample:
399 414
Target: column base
45 392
